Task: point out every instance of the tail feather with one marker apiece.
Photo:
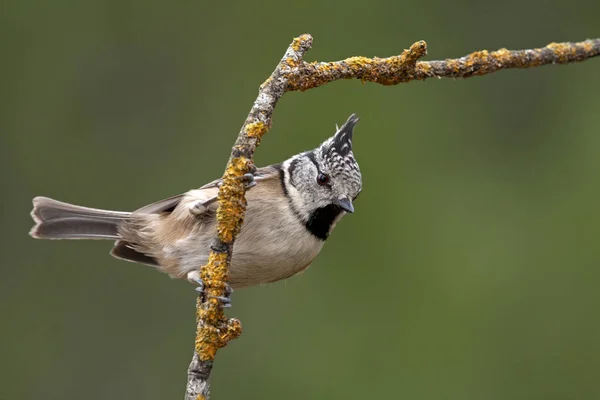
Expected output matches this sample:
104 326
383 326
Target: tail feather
57 220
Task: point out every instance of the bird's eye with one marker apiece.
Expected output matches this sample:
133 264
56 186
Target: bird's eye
322 179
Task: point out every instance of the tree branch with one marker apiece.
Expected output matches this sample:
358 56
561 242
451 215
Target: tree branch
214 330
292 73
405 67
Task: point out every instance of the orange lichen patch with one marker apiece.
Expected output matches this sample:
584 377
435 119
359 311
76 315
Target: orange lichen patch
562 51
396 69
290 62
233 331
214 274
478 63
477 57
313 75
422 69
453 65
386 71
416 51
214 330
501 56
210 316
232 202
357 62
207 342
297 42
256 129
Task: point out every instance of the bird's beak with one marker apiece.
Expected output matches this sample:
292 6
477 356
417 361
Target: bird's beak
345 204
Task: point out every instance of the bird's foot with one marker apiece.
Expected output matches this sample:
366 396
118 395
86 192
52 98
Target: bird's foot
225 301
247 179
200 207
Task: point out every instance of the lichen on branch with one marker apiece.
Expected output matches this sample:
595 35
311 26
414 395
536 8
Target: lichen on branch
484 62
292 73
214 330
406 67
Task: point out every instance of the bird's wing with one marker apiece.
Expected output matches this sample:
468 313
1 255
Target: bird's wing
143 240
168 205
165 205
261 174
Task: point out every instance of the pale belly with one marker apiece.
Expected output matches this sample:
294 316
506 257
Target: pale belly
271 256
270 247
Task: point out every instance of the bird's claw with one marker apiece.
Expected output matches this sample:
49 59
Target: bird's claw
248 180
225 301
200 207
200 287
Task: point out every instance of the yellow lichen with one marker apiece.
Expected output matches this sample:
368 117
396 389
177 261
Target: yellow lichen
233 331
214 331
416 51
501 56
477 57
256 129
386 71
561 50
358 61
297 42
423 69
290 62
214 272
454 65
232 202
477 62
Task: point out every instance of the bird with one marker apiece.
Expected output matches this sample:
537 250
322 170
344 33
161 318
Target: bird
292 207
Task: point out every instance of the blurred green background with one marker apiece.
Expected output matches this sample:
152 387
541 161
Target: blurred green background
469 271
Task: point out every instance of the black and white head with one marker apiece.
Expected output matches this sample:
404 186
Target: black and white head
322 183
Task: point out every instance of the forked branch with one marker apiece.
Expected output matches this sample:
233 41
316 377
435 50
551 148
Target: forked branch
292 73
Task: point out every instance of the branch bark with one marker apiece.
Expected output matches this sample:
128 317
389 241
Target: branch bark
406 67
292 73
214 330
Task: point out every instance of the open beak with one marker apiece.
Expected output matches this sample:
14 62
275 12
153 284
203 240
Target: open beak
345 204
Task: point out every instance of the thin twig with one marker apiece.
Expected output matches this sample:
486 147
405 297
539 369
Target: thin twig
292 73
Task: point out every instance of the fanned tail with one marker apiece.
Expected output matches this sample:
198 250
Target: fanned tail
57 220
